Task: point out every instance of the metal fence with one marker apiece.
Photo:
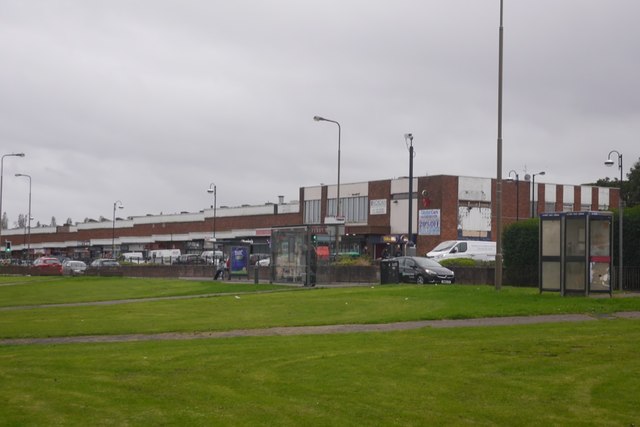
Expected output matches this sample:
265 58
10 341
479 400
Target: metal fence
630 278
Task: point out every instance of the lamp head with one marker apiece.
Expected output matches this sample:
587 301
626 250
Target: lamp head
609 162
541 173
210 190
408 136
318 118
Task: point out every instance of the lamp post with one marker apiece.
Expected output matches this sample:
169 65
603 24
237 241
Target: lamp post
322 119
29 217
498 268
116 204
610 162
212 189
517 192
338 210
533 192
1 175
409 141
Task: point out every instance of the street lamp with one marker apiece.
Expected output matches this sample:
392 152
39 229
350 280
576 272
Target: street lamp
610 162
338 210
322 119
498 268
533 192
517 192
409 141
1 175
212 189
29 217
119 205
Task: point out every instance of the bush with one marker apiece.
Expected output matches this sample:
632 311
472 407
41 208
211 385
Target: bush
520 251
351 260
458 262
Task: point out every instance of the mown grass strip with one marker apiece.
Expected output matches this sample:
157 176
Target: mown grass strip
565 374
377 304
58 290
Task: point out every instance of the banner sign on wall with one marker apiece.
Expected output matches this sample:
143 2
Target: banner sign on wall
378 207
429 222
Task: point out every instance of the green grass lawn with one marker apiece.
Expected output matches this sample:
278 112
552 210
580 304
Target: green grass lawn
17 291
552 374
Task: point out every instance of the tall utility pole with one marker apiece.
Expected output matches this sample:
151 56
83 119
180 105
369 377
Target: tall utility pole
409 140
498 272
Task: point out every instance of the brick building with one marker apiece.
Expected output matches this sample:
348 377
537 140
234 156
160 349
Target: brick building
375 215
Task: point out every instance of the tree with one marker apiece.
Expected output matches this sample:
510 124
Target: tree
22 221
632 187
520 246
69 221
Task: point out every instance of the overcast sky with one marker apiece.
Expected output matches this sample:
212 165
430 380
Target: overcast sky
151 101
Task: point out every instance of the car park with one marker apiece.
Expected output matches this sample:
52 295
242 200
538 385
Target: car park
73 267
48 264
423 270
104 262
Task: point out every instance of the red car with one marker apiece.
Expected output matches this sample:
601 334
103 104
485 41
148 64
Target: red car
48 265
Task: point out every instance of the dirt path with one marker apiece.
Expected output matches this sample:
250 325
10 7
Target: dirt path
326 329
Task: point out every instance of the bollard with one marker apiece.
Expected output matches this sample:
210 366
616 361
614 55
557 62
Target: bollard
256 279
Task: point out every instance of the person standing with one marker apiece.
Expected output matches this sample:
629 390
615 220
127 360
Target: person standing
220 267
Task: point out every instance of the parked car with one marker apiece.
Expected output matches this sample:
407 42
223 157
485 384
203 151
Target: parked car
105 262
212 257
73 267
264 262
423 270
190 259
48 264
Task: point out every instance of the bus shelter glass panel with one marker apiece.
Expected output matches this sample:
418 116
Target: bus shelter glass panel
600 261
550 252
575 253
289 257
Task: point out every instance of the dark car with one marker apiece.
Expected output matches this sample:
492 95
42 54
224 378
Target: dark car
423 270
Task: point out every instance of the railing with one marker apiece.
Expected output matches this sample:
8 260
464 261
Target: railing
630 279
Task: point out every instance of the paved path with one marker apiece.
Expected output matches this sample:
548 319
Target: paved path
326 329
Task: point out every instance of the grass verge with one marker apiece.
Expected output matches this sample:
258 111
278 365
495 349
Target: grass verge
554 374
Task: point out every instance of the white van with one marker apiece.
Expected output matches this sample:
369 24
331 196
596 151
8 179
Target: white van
164 256
474 249
211 257
133 257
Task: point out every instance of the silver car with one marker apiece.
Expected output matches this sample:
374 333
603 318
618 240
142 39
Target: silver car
73 268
